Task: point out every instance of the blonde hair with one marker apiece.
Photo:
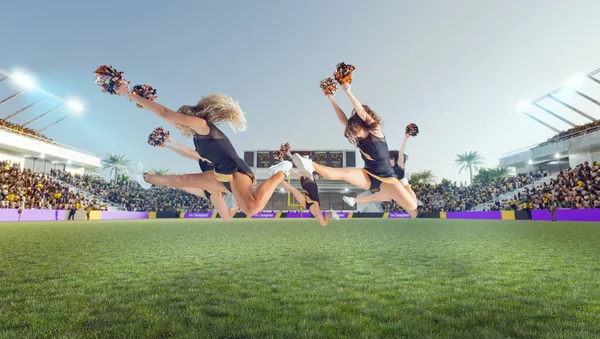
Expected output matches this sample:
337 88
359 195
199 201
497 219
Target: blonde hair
215 108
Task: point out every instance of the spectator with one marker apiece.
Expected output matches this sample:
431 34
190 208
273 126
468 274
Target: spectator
7 125
130 196
28 190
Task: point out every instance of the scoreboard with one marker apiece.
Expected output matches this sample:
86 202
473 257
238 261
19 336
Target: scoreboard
265 159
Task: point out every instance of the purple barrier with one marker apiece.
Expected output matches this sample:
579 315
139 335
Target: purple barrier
32 215
296 215
122 215
198 215
542 215
265 215
481 215
398 215
577 215
308 214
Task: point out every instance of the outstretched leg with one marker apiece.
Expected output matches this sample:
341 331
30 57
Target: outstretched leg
403 198
375 197
220 205
315 209
204 181
253 201
353 176
195 191
297 194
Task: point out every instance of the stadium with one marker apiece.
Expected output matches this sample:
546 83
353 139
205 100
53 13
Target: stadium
87 251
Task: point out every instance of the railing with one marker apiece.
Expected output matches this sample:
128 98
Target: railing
45 140
558 139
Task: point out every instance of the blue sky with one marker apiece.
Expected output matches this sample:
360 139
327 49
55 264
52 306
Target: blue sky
456 68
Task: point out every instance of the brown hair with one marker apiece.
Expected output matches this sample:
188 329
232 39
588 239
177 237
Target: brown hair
355 122
215 108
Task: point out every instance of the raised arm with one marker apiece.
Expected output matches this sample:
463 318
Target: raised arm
338 111
358 107
174 118
184 148
183 153
401 151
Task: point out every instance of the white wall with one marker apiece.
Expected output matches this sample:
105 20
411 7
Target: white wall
75 169
581 157
27 144
13 157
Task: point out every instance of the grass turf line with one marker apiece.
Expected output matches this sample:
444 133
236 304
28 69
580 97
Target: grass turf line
293 278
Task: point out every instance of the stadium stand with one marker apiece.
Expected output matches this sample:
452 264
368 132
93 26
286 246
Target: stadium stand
131 197
573 132
26 189
22 130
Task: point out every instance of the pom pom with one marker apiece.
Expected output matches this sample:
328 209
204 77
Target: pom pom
282 152
109 78
412 130
343 73
329 86
145 91
158 137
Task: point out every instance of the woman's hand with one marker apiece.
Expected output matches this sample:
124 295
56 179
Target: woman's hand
346 87
123 89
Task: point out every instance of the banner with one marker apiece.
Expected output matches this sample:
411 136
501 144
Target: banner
198 215
265 215
32 215
296 215
122 215
578 215
541 215
398 215
308 214
480 215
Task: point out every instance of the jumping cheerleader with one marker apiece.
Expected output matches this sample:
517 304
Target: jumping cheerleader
217 198
399 165
310 198
230 173
364 130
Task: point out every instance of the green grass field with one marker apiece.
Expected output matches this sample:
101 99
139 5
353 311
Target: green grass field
283 278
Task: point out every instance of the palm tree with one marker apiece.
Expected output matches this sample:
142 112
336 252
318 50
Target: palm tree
486 176
500 172
123 178
115 163
469 160
161 171
423 177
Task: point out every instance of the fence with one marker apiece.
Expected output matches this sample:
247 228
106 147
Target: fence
11 215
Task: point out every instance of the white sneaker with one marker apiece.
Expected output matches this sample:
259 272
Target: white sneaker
334 215
141 168
284 166
404 181
138 176
419 202
305 165
349 200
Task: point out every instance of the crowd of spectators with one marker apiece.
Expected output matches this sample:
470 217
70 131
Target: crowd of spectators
26 189
453 197
573 188
128 195
573 132
22 130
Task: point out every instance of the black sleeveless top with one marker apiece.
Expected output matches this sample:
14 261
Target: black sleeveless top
311 189
399 172
217 148
376 155
205 166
